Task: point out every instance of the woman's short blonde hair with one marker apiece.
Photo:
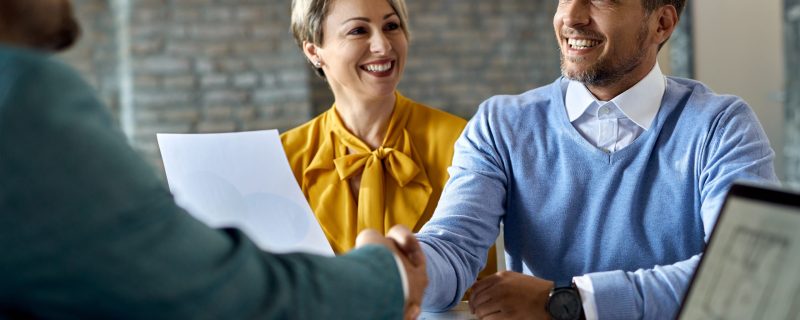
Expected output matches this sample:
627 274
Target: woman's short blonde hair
308 17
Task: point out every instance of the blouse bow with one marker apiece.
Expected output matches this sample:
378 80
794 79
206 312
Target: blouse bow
382 203
374 165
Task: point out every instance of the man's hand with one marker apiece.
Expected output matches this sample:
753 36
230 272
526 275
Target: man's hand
510 295
403 243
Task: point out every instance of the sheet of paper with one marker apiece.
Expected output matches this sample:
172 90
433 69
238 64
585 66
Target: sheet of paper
242 180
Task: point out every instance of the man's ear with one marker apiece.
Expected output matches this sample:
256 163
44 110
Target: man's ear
311 52
666 19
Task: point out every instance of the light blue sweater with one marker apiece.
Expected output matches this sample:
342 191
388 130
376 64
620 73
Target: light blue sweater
635 220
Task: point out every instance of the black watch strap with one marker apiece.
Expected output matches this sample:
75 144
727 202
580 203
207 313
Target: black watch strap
565 296
564 284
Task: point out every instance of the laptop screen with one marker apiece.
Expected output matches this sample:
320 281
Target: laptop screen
751 266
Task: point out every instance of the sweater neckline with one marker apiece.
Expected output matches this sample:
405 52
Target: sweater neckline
559 91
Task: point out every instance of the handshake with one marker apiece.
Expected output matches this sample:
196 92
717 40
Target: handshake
405 246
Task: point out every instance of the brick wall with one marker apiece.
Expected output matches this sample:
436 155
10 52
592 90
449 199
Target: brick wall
195 65
214 66
95 56
463 52
792 47
229 65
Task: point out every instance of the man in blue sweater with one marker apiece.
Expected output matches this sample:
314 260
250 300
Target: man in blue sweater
608 181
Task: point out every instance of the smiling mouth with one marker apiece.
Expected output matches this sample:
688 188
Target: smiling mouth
378 68
582 44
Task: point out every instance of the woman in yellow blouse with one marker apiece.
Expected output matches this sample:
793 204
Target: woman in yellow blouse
375 158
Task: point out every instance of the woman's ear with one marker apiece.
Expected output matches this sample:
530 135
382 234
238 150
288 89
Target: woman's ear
311 52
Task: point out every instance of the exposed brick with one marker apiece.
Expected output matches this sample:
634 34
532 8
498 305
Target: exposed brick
216 49
245 80
187 14
163 98
144 81
147 3
183 48
231 65
216 31
149 131
213 80
191 3
147 47
251 13
217 126
218 14
149 15
203 65
180 115
162 65
267 96
222 65
179 82
246 113
226 97
218 112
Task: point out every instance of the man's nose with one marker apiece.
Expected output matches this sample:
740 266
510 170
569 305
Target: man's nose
575 13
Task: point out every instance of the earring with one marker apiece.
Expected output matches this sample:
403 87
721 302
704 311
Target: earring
317 64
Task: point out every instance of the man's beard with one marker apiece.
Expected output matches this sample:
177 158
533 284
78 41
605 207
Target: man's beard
606 70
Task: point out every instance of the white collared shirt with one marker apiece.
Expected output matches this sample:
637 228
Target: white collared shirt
611 126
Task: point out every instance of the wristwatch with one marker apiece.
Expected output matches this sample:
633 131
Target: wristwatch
564 302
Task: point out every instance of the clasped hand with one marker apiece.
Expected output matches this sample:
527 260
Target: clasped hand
403 243
510 295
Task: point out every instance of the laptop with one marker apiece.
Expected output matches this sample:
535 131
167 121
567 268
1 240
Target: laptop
751 265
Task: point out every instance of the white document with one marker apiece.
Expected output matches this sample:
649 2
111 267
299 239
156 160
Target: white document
242 180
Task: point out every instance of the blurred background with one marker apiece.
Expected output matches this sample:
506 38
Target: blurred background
186 66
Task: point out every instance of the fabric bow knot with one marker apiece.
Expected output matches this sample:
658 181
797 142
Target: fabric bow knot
377 204
399 165
371 165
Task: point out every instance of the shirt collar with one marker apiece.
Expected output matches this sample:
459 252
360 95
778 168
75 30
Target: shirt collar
640 103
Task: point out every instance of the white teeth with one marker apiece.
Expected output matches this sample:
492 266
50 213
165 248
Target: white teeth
378 67
582 43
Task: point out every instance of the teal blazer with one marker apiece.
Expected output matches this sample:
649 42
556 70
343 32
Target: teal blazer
88 230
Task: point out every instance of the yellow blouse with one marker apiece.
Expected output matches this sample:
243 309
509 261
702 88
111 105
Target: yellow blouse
401 180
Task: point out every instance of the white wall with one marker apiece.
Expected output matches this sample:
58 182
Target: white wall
739 50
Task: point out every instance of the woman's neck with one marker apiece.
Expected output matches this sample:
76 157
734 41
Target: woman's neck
367 119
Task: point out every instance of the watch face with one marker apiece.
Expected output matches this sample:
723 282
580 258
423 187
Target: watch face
564 305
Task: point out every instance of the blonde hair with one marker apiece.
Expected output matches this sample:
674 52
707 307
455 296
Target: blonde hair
308 17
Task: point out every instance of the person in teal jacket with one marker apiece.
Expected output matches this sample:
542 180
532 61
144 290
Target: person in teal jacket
88 230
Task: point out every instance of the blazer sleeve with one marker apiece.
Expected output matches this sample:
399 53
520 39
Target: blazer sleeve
88 230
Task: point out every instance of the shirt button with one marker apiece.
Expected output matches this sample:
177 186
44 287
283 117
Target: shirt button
604 110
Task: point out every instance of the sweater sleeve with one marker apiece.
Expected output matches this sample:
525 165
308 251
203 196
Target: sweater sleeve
466 222
737 150
88 230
